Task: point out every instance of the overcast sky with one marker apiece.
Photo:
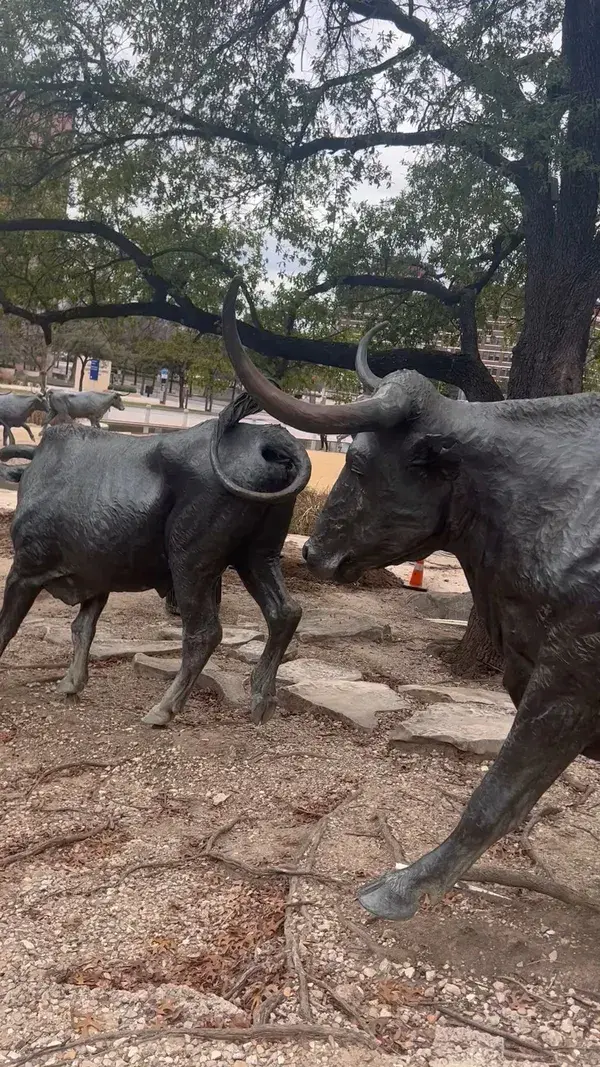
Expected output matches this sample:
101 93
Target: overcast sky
396 160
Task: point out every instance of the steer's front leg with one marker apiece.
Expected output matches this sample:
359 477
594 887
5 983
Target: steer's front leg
557 717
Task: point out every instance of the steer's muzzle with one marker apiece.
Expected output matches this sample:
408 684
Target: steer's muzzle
331 568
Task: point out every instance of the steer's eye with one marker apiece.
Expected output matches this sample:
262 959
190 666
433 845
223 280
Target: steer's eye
355 463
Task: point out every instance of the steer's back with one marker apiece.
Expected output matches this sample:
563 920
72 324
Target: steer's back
76 405
91 512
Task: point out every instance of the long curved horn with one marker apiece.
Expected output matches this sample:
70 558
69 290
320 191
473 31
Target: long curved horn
303 472
370 380
335 418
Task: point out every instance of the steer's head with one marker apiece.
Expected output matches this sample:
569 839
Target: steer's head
40 403
117 402
391 502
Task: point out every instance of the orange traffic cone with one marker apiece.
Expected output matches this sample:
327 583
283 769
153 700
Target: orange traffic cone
416 578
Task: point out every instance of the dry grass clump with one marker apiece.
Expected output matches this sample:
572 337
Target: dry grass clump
308 505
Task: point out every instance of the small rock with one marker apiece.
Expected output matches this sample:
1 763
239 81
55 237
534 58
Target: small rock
220 798
232 635
566 1026
467 727
409 972
369 972
253 650
314 670
319 625
452 990
104 648
355 703
437 694
553 956
552 1039
225 685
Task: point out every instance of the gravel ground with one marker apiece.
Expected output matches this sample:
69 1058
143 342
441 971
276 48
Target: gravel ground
136 929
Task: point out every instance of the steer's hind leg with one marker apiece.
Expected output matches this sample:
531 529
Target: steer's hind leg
19 595
83 630
28 428
264 581
557 717
196 597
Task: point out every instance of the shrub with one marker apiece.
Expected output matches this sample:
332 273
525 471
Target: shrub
308 505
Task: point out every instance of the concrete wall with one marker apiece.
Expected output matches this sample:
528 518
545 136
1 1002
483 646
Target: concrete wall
325 468
101 385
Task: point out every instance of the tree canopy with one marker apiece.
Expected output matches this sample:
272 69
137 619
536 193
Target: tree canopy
196 128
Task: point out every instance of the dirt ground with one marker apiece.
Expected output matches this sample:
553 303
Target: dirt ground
136 928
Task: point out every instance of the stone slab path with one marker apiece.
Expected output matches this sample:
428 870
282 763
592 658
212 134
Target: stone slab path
355 703
477 728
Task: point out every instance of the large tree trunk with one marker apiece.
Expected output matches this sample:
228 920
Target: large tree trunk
563 257
474 654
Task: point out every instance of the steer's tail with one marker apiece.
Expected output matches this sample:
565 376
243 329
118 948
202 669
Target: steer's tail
17 452
289 452
238 409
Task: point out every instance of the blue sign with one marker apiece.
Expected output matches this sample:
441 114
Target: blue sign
94 369
164 374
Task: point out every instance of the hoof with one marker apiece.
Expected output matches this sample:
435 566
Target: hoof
263 709
157 716
389 897
68 688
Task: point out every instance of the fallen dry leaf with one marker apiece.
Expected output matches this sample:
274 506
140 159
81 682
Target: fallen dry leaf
86 1025
391 992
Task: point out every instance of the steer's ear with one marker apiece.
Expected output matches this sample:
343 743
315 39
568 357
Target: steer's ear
437 452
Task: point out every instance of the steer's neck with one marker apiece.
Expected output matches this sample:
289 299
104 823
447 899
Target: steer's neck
524 466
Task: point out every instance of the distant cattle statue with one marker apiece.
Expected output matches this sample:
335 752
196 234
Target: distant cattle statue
100 512
15 408
512 490
92 406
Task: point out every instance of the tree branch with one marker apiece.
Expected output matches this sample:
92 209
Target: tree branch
485 78
372 281
82 93
365 72
216 261
507 247
454 368
98 229
448 295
